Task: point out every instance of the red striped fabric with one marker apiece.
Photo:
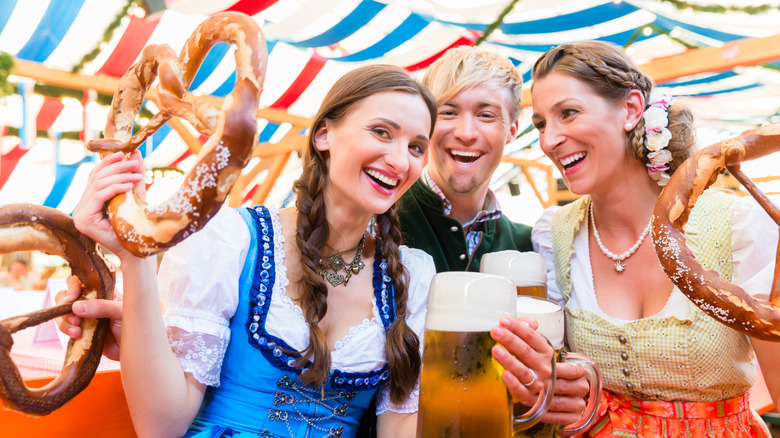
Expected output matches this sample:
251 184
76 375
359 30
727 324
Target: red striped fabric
462 41
129 47
301 83
181 158
251 7
9 161
51 109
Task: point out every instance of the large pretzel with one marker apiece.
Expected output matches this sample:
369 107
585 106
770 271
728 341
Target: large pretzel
720 299
145 229
26 227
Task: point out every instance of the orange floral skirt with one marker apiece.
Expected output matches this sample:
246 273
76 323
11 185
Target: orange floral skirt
621 416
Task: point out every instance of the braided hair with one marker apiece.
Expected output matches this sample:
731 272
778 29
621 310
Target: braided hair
402 346
608 71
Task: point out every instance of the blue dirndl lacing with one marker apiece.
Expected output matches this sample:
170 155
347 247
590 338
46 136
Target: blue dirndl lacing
278 352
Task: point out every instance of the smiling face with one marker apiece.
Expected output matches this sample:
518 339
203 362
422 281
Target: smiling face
468 141
583 133
375 153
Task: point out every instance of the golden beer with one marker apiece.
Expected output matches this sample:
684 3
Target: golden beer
527 270
463 394
533 290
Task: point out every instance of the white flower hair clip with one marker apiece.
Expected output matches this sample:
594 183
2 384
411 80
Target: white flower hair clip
657 136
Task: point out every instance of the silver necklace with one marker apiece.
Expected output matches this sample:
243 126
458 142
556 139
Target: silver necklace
619 265
335 263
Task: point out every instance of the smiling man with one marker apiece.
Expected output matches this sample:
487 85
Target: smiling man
451 213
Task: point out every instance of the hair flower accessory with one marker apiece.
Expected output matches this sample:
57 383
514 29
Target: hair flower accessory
657 136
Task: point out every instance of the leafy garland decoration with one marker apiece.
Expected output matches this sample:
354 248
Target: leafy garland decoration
108 34
719 9
497 23
6 69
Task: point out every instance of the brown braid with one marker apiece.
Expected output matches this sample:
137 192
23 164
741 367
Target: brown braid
610 73
312 235
403 346
313 230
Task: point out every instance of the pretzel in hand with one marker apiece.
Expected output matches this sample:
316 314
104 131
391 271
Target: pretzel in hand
27 227
143 229
722 300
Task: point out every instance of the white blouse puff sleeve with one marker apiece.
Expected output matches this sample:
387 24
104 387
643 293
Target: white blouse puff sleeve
753 263
198 323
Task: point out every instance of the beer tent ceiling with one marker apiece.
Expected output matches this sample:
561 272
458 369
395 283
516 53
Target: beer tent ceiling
313 42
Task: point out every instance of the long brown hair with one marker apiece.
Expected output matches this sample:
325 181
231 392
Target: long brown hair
609 72
402 347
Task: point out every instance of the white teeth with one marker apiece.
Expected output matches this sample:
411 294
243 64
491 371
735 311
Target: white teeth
572 158
465 153
392 182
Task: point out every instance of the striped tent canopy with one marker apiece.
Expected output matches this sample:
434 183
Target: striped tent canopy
721 62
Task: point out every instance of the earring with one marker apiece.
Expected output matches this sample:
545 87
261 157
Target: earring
628 126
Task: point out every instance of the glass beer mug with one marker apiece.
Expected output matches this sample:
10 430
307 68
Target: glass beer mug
527 270
550 317
462 393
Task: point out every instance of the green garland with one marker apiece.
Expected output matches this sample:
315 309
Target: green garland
40 133
719 9
660 31
497 23
108 34
6 68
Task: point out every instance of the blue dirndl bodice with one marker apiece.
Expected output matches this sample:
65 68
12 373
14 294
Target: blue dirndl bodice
259 393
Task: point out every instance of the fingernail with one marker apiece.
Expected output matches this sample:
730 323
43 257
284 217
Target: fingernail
79 306
499 331
498 352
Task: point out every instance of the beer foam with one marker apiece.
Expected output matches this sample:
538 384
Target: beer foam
549 315
469 301
523 268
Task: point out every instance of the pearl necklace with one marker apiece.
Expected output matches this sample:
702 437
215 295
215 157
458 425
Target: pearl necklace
619 265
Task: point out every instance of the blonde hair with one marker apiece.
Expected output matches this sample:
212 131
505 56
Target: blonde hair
465 67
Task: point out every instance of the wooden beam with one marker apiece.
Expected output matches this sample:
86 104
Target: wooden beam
235 198
747 51
290 143
108 85
192 142
275 169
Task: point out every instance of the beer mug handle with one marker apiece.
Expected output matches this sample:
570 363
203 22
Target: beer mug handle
541 405
594 398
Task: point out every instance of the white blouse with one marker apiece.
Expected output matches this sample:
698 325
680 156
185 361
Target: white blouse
199 286
753 262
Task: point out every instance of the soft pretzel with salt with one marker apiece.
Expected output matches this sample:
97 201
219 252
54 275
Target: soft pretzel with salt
145 229
27 227
724 301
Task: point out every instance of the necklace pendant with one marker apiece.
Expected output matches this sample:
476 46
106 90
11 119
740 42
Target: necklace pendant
620 267
336 262
334 278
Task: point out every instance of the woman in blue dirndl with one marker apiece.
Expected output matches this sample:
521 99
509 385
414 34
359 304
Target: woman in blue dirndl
286 322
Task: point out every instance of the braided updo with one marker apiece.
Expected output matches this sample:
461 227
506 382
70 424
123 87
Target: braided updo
608 71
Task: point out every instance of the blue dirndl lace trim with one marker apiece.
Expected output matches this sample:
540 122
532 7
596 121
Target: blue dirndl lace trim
273 347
